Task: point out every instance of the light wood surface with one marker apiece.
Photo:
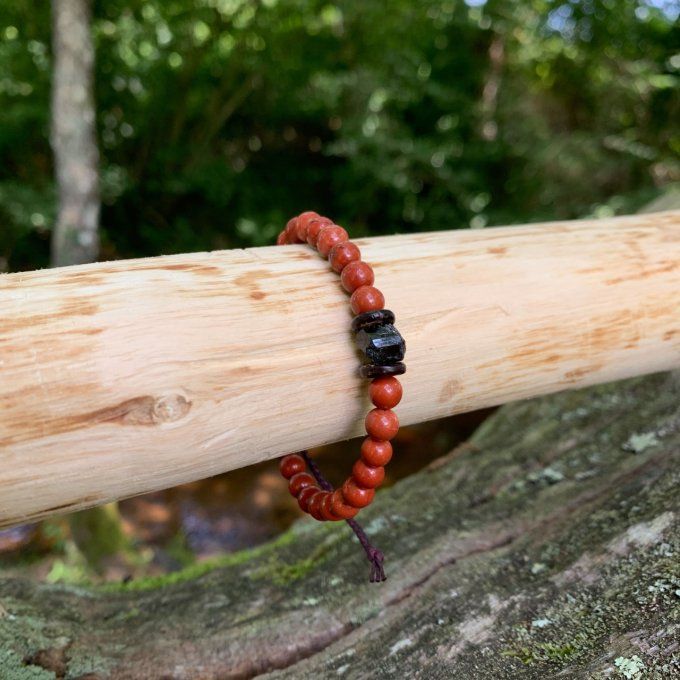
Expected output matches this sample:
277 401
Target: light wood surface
125 377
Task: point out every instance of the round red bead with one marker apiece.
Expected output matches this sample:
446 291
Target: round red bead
305 496
299 482
315 227
292 464
341 254
282 238
366 299
340 508
385 392
302 223
356 495
314 505
290 230
375 452
367 476
327 509
355 275
382 423
330 236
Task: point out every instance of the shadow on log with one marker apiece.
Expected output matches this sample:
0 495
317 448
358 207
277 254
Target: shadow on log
547 546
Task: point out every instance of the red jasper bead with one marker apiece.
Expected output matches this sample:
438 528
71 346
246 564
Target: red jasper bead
340 508
328 237
314 505
375 452
355 495
367 476
355 275
314 228
292 464
366 299
305 496
327 510
341 254
385 392
299 482
381 423
302 224
289 231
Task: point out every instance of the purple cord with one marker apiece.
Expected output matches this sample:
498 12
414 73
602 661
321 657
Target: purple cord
375 556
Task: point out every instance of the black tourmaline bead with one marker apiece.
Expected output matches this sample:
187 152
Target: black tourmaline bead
382 344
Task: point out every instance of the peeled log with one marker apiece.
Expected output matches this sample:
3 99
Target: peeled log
126 377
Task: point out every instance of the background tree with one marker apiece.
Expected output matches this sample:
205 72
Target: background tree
75 237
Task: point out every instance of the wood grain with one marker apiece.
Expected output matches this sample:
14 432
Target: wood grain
125 377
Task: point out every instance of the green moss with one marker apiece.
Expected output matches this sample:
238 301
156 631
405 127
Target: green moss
542 652
282 573
198 569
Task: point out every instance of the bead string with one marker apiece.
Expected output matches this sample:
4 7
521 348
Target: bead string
314 493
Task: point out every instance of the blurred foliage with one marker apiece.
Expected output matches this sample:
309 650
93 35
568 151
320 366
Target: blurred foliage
219 118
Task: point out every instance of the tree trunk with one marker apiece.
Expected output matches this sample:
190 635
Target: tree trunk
547 546
75 239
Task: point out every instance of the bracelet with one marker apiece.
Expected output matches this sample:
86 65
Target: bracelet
384 349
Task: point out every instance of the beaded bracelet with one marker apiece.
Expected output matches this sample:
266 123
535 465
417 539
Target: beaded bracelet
384 349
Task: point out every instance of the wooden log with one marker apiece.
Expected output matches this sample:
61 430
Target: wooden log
546 547
125 377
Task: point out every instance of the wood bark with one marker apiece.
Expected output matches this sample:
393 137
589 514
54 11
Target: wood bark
75 238
125 377
545 547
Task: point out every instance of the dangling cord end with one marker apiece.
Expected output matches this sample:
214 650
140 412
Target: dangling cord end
375 556
377 571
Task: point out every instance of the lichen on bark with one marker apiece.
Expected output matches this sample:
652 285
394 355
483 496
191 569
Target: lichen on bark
547 546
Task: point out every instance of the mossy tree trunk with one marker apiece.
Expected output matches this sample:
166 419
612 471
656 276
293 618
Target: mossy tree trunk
547 546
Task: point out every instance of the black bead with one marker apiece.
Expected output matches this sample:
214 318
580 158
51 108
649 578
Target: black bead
382 344
375 318
372 371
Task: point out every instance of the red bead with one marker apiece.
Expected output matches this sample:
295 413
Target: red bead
291 227
299 482
328 237
327 510
340 508
385 392
355 495
282 238
381 423
305 496
367 476
315 226
292 464
355 275
303 221
341 254
314 505
366 299
375 452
